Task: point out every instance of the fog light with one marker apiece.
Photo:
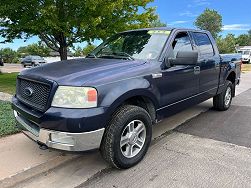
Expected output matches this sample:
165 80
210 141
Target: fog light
62 138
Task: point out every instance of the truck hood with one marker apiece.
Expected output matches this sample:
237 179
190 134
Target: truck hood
245 56
77 72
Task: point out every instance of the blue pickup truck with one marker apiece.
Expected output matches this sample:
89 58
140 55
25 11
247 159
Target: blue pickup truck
111 99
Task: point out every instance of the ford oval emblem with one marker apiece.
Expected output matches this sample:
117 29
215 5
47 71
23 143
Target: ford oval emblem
28 91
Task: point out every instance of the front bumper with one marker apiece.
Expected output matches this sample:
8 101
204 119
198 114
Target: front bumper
61 140
245 60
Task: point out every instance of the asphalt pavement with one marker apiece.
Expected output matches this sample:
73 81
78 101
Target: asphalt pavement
231 126
10 68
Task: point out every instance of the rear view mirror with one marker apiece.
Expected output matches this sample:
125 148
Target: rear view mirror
185 58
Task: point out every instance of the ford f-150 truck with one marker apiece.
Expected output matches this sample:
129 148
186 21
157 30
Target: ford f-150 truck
111 99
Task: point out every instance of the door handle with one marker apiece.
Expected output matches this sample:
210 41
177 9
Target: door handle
203 61
197 70
217 65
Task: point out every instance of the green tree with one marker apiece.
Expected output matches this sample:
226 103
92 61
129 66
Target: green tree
8 55
210 20
249 32
157 23
34 49
88 49
61 23
243 40
226 45
77 51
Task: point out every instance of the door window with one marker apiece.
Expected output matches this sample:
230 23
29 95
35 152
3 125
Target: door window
204 44
181 42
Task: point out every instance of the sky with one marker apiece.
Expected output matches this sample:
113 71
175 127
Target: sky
236 15
182 13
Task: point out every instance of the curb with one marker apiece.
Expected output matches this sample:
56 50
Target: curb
36 170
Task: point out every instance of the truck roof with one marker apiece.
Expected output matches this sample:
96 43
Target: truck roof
166 29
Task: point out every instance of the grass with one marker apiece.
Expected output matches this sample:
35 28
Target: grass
8 82
246 67
7 120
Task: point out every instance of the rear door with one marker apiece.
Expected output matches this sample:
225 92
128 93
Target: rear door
209 62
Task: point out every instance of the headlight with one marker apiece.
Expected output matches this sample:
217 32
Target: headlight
75 97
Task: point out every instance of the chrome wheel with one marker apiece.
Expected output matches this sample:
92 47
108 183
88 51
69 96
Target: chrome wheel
133 138
228 96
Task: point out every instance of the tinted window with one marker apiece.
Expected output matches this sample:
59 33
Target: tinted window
181 43
204 44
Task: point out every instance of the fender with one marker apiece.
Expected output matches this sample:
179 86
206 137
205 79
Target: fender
117 93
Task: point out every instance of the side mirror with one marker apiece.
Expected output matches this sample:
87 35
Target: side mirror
185 58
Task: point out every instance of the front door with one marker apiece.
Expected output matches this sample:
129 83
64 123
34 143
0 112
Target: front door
178 83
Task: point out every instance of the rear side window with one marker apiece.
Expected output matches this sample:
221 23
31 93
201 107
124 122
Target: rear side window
204 44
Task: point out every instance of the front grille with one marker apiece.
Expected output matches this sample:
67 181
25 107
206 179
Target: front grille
33 93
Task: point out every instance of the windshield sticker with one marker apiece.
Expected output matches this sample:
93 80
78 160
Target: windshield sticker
159 32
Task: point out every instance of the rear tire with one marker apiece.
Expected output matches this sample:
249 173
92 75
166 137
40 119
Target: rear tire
127 137
223 100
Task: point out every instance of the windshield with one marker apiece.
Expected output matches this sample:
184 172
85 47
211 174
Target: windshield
37 58
146 44
246 52
27 58
33 57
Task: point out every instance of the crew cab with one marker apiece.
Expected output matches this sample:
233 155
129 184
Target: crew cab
111 99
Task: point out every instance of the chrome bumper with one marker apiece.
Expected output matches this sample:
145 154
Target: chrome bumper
61 140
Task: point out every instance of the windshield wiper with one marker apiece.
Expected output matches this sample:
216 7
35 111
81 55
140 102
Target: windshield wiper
116 55
110 56
124 54
91 55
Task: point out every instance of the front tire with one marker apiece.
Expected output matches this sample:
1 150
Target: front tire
127 137
222 101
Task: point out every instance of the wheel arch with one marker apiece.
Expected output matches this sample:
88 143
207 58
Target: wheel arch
231 77
138 97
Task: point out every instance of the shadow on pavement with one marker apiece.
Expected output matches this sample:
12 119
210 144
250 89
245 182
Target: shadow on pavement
232 126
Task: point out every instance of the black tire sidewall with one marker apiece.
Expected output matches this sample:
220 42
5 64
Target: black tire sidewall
120 160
